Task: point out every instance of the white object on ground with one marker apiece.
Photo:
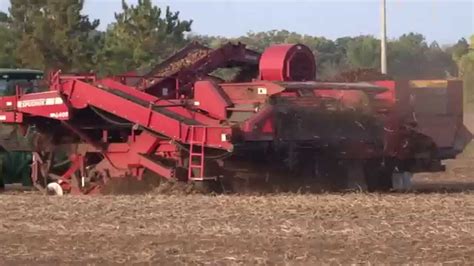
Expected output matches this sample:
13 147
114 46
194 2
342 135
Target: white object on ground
55 188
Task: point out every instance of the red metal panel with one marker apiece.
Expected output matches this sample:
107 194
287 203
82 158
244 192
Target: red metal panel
260 126
211 99
11 117
8 102
386 100
257 92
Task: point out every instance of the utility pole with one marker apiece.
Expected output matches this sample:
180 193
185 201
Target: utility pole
383 39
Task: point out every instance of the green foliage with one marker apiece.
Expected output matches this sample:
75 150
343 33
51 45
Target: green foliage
7 46
4 17
437 63
466 63
142 36
209 41
406 54
15 167
364 52
459 49
53 34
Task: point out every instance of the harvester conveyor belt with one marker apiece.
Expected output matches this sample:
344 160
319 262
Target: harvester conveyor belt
182 54
174 122
196 58
155 108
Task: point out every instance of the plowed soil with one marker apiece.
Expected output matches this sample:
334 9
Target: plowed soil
436 225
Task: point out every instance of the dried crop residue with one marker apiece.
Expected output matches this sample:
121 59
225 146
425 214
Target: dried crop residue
430 227
173 67
294 229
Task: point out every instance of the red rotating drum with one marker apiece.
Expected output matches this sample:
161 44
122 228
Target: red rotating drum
288 62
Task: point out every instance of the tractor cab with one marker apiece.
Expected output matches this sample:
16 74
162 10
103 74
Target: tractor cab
15 151
27 79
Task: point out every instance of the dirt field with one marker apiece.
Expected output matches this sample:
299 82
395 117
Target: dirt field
274 229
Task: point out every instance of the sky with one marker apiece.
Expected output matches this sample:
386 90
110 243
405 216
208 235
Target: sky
445 21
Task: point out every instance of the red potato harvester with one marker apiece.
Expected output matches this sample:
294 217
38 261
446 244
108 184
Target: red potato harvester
273 124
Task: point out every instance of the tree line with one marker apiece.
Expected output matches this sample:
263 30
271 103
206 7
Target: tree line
55 34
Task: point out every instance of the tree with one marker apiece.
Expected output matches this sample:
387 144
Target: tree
467 74
53 34
405 56
364 52
7 43
4 17
459 49
437 63
213 42
142 36
330 58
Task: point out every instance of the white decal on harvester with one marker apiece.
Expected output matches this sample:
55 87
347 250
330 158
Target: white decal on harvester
3 117
262 91
40 102
59 115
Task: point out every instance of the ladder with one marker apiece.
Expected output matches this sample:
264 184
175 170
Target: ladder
196 153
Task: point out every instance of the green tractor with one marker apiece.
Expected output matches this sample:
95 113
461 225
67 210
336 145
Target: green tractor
15 149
